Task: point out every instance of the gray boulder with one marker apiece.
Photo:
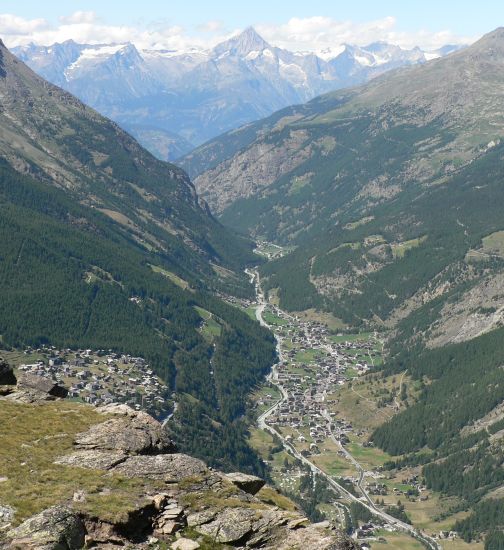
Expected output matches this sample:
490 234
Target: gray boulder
231 525
94 460
134 433
249 484
57 528
185 544
170 467
39 384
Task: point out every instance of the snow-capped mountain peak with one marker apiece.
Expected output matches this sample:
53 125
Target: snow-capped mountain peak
242 44
198 94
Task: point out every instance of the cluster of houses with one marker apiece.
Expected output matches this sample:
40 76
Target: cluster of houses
100 377
309 383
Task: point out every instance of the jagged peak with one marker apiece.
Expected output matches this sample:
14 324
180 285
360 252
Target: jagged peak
247 41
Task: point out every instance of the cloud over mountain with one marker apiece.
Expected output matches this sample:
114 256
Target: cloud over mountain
313 34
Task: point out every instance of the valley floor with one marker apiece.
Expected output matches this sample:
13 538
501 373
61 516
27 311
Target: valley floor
316 412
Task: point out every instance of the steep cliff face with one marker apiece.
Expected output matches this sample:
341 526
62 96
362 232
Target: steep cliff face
110 477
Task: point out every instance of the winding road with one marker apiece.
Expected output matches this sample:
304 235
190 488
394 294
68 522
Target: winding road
365 500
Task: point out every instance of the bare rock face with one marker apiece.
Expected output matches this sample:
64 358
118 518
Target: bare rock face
133 433
169 467
231 525
57 528
249 484
95 460
7 377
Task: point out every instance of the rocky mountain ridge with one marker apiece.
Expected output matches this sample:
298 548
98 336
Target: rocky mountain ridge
454 96
174 500
171 101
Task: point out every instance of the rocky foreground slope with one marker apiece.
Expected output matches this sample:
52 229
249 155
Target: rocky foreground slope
73 476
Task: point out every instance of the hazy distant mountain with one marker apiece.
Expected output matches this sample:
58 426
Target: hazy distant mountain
174 100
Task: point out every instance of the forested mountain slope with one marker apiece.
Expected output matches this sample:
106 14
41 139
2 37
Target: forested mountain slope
52 136
103 246
383 189
391 196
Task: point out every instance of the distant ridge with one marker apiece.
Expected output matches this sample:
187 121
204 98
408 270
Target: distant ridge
174 100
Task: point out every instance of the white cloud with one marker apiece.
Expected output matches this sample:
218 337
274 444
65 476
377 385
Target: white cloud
318 33
85 27
211 26
12 25
306 34
79 17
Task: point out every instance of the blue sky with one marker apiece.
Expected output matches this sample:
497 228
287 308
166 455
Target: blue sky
463 17
429 21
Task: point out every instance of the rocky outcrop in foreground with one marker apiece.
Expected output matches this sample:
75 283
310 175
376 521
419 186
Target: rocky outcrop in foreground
184 504
28 388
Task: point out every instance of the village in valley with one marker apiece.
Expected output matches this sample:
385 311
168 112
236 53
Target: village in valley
313 399
97 377
316 413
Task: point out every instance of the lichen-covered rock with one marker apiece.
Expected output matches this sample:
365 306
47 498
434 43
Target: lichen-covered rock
230 525
199 518
6 516
312 537
57 528
169 467
249 484
95 460
134 433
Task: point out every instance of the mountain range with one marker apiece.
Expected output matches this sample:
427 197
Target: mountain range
386 199
172 101
316 174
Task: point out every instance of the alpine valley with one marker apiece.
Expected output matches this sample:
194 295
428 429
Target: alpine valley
388 197
291 339
103 246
